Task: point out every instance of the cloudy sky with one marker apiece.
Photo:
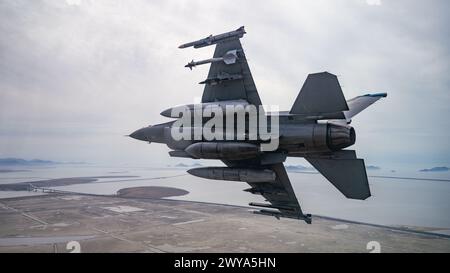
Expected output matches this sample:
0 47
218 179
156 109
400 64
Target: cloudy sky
77 75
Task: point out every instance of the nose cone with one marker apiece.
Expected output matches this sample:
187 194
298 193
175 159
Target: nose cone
194 150
153 133
200 172
139 134
167 113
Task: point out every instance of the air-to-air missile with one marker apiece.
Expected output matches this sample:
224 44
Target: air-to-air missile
210 40
278 215
229 58
221 77
235 174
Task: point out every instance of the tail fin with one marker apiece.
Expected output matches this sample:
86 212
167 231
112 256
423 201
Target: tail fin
321 93
346 172
356 105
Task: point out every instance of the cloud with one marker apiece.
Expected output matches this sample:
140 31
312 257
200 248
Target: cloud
373 2
73 2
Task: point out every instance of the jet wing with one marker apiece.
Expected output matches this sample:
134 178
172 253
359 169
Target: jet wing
279 194
232 81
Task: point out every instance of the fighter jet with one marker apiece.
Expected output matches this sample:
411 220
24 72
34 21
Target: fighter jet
317 128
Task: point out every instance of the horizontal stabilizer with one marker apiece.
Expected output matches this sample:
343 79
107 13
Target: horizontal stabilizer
356 105
348 175
321 93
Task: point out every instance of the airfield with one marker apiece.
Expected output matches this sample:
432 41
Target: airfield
126 223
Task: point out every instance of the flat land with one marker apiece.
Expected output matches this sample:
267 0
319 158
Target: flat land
115 224
150 192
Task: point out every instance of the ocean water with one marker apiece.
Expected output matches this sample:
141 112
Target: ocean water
394 201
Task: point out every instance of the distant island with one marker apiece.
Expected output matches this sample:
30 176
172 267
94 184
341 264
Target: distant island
12 171
12 161
299 168
20 161
435 169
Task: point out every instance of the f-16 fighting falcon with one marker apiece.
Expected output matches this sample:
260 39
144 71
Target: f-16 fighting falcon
316 128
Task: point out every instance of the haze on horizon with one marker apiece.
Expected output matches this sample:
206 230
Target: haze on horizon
78 75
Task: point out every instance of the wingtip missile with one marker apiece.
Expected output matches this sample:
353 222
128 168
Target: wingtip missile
381 95
214 39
